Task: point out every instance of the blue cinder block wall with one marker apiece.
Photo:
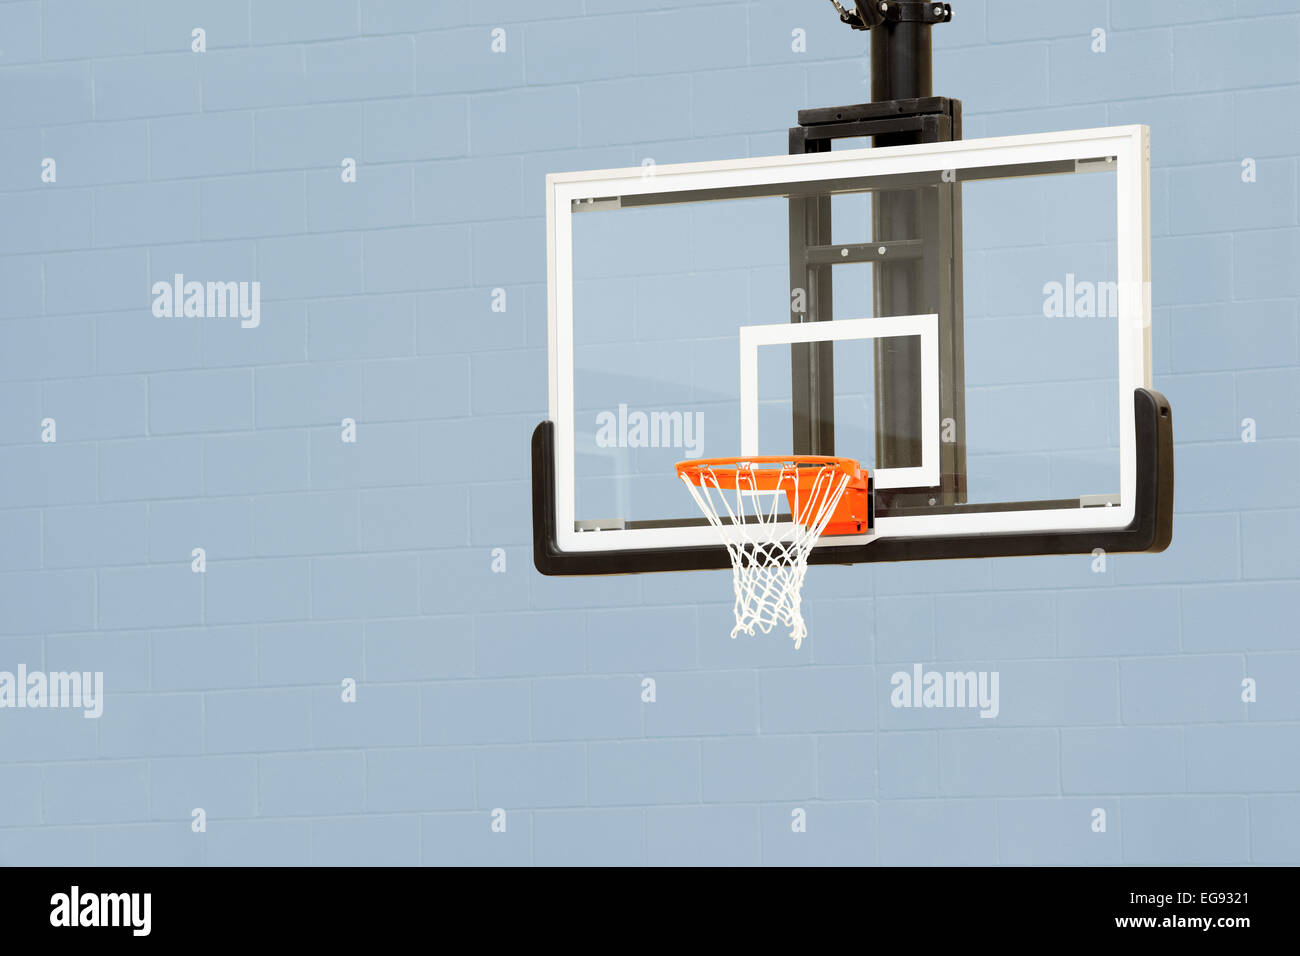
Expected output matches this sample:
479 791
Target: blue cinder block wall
402 561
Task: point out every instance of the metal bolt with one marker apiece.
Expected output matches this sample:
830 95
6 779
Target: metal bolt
844 253
884 8
932 502
938 10
881 250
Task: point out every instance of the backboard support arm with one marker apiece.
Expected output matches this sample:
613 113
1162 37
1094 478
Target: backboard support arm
903 111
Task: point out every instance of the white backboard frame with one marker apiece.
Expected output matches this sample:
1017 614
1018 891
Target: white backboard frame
1127 146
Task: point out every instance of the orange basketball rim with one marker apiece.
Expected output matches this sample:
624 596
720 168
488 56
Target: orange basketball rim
801 477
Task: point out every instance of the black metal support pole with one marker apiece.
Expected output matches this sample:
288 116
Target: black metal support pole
900 70
901 61
812 366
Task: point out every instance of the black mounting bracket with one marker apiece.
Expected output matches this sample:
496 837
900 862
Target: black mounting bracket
872 13
931 119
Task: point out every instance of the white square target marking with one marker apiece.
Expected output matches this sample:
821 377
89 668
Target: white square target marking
926 327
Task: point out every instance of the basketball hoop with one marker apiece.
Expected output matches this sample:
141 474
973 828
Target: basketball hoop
769 549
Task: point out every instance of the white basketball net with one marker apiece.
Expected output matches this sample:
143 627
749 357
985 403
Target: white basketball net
769 557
